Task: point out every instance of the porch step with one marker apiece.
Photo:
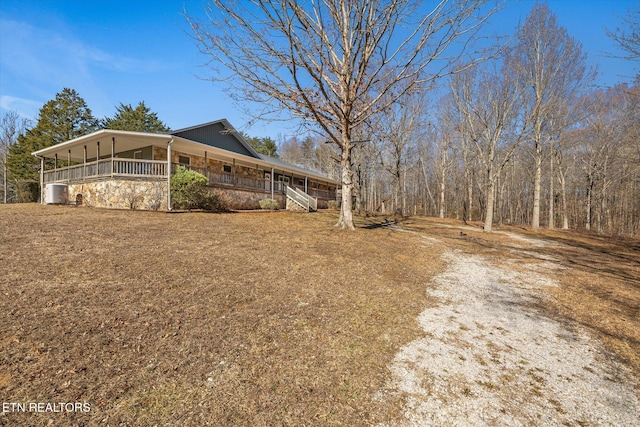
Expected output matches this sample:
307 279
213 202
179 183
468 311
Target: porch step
301 199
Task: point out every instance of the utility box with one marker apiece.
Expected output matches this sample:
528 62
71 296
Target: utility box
56 194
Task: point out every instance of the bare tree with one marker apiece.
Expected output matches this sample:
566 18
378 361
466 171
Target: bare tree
398 128
334 63
487 104
11 126
628 39
552 66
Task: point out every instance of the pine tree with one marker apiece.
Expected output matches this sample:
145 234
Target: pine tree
265 145
139 119
61 119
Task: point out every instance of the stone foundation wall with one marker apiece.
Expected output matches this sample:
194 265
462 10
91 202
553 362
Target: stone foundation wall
121 194
152 195
239 199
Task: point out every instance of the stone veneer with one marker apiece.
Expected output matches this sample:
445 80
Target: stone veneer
121 194
150 195
239 199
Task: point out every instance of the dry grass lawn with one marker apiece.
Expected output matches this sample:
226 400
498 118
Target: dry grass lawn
248 318
203 319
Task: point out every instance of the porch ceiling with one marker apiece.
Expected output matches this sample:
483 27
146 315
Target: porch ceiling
124 141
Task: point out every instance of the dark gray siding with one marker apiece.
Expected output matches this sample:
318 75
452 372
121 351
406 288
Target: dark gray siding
214 135
146 153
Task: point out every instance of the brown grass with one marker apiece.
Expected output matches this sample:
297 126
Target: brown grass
250 318
196 319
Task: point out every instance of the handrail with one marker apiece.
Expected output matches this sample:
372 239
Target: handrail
293 194
313 202
303 199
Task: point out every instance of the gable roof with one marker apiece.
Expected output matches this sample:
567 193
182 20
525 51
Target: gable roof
218 134
226 136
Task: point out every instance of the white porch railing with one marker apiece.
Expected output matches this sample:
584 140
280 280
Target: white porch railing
303 199
107 167
119 167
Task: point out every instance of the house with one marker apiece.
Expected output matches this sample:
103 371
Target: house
123 170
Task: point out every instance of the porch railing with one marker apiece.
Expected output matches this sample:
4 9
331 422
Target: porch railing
115 167
302 198
158 168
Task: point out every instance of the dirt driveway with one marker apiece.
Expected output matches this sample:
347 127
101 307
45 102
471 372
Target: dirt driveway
490 356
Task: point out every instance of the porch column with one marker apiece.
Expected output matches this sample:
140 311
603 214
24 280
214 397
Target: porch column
206 165
305 185
98 158
272 183
113 149
69 165
55 163
234 172
42 201
169 174
84 164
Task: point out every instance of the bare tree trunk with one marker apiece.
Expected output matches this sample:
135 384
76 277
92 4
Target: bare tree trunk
4 178
442 188
563 191
491 191
470 197
535 218
589 200
552 179
346 211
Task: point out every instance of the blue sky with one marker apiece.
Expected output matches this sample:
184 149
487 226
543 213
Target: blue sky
130 51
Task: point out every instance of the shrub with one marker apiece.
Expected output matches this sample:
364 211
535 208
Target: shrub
269 204
216 201
332 204
190 190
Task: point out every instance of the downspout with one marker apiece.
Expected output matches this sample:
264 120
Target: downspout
169 174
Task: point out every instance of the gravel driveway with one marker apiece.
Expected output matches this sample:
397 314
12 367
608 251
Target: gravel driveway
490 357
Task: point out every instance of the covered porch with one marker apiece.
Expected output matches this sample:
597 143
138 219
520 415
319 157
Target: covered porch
123 155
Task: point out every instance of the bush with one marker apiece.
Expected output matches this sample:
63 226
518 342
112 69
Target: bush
333 204
269 204
190 190
216 201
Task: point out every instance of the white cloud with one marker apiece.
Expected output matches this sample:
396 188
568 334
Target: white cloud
46 54
26 108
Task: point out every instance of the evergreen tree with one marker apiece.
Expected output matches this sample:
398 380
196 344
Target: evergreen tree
269 147
139 119
61 119
266 145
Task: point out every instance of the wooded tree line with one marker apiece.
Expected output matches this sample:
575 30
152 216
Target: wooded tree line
521 139
517 135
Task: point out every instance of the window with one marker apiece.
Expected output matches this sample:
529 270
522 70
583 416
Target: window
227 168
184 160
137 154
